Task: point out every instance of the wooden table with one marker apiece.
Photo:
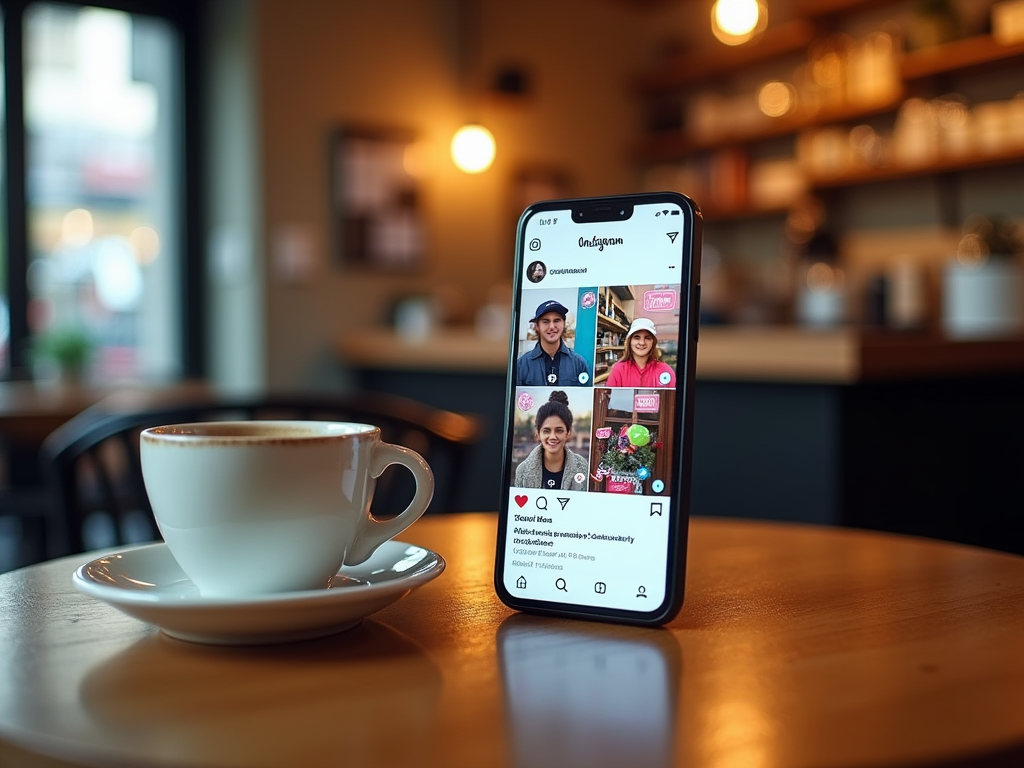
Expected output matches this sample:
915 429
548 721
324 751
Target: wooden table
798 647
29 411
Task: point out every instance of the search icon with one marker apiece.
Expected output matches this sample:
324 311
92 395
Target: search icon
560 584
542 502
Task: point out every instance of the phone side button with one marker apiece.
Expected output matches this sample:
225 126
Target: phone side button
696 315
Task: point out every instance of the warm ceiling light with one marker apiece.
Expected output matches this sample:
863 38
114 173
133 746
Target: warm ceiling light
736 21
473 148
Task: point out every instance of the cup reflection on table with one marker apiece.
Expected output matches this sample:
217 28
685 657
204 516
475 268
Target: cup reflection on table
583 694
286 704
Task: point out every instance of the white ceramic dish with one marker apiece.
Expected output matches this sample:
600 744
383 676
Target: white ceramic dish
147 583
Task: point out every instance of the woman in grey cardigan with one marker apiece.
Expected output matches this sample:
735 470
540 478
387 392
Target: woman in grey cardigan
551 465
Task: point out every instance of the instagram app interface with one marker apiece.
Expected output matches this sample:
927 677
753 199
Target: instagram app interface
594 410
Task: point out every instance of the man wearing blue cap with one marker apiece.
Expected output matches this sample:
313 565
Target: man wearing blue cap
551 362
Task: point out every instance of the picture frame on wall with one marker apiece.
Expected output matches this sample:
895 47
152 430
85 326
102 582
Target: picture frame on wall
377 214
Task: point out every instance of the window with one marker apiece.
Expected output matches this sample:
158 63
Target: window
95 244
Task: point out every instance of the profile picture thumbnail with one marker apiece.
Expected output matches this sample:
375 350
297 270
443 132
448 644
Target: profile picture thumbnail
536 272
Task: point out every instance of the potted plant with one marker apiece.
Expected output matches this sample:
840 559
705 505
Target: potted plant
983 287
63 352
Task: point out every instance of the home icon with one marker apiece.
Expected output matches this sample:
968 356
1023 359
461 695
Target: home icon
521 582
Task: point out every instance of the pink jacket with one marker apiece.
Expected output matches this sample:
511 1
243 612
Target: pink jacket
625 373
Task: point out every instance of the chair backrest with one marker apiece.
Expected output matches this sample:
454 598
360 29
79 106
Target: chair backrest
92 467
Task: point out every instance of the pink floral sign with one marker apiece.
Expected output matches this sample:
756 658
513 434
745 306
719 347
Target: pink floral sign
661 301
646 402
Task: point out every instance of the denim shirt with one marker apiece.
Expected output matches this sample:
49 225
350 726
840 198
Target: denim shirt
533 367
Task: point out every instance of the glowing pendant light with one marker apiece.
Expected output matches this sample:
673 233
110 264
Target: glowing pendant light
735 22
473 148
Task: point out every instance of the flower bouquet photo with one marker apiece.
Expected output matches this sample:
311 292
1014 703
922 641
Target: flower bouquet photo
628 457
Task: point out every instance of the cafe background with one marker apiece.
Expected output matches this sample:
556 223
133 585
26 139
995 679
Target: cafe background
837 200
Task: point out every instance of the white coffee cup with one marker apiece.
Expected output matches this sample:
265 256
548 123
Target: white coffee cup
255 507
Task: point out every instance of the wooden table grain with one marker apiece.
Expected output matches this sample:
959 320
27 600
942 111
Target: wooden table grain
798 647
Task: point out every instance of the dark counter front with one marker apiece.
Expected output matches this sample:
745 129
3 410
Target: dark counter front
907 433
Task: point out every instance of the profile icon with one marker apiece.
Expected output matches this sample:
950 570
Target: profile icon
536 272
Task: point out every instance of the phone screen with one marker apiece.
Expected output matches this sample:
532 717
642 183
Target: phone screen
594 508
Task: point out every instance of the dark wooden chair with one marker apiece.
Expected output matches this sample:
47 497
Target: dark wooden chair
93 473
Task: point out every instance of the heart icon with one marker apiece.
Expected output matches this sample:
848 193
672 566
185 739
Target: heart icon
521 500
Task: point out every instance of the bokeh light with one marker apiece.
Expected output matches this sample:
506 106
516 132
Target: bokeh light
473 149
776 99
77 228
734 22
146 244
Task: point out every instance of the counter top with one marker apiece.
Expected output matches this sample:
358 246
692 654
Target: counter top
748 353
456 350
849 355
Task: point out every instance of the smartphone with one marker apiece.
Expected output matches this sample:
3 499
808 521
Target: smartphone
594 505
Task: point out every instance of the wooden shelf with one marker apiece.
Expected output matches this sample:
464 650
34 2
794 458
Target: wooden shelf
817 9
974 55
857 177
964 162
861 176
696 68
673 145
611 322
970 54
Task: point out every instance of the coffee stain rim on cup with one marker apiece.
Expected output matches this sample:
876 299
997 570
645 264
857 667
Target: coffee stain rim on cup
283 432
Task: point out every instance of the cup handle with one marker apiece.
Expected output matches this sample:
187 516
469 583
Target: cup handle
375 532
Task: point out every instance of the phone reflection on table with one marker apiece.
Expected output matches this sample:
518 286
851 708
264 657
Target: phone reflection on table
589 694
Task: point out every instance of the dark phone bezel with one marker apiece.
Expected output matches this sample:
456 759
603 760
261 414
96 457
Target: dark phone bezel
618 208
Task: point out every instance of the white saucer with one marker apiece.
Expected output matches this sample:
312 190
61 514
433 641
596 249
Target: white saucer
147 583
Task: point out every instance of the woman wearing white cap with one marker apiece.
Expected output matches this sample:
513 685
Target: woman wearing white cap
640 364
